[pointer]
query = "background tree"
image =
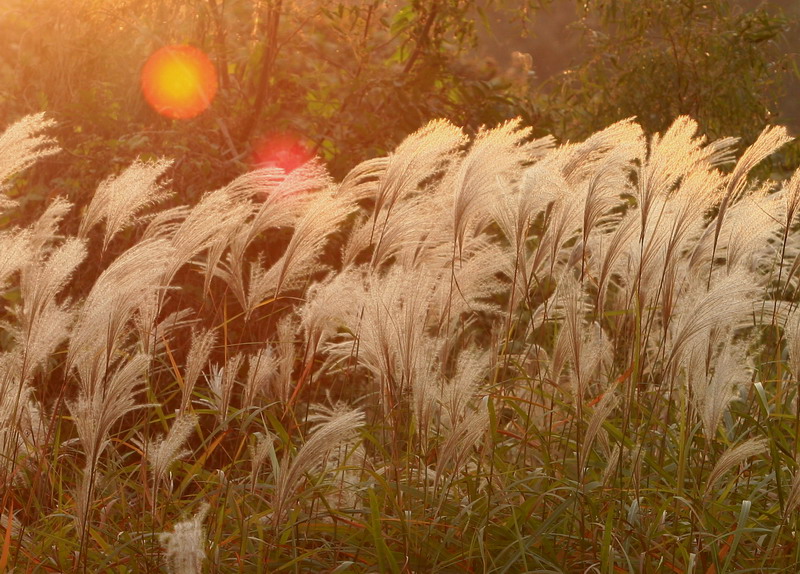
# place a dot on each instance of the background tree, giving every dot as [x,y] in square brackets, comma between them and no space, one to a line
[716,61]
[349,80]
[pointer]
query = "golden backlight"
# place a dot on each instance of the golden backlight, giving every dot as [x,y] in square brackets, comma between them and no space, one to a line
[283,149]
[179,82]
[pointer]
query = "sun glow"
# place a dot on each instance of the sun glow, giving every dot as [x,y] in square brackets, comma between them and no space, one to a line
[283,149]
[179,82]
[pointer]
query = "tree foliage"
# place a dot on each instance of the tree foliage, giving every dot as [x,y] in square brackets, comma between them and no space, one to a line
[656,59]
[359,75]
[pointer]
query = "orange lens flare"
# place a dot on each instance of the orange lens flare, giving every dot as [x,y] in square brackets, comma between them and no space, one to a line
[283,150]
[179,82]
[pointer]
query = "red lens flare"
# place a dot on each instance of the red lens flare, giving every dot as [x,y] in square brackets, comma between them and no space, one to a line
[179,82]
[283,150]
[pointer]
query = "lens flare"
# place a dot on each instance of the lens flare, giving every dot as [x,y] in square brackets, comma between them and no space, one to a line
[179,82]
[283,150]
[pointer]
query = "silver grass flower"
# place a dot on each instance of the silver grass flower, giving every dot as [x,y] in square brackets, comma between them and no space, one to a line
[284,191]
[214,221]
[106,314]
[14,396]
[735,456]
[363,180]
[262,368]
[341,466]
[32,428]
[791,261]
[682,215]
[119,198]
[793,498]
[185,545]
[166,450]
[611,465]
[97,409]
[218,246]
[474,284]
[41,336]
[153,329]
[199,351]
[165,224]
[792,339]
[748,228]
[257,182]
[514,216]
[420,155]
[713,392]
[45,230]
[389,321]
[791,195]
[493,156]
[41,281]
[43,322]
[728,300]
[100,406]
[459,441]
[411,224]
[21,144]
[456,396]
[563,224]
[585,347]
[329,305]
[15,251]
[260,452]
[299,259]
[323,440]
[285,347]
[221,383]
[671,157]
[281,203]
[620,142]
[610,251]
[768,141]
[426,387]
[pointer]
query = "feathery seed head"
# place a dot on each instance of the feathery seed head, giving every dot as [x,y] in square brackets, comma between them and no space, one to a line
[185,545]
[22,144]
[119,198]
[735,456]
[337,428]
[166,450]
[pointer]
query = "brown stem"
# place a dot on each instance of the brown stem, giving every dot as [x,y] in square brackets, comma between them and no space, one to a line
[267,63]
[219,41]
[422,39]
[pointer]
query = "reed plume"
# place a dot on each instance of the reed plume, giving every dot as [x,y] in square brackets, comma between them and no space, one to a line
[221,382]
[166,450]
[300,259]
[495,155]
[732,457]
[326,437]
[196,360]
[21,145]
[105,317]
[119,198]
[185,545]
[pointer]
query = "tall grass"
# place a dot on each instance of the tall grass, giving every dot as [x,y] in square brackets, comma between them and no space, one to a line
[497,355]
